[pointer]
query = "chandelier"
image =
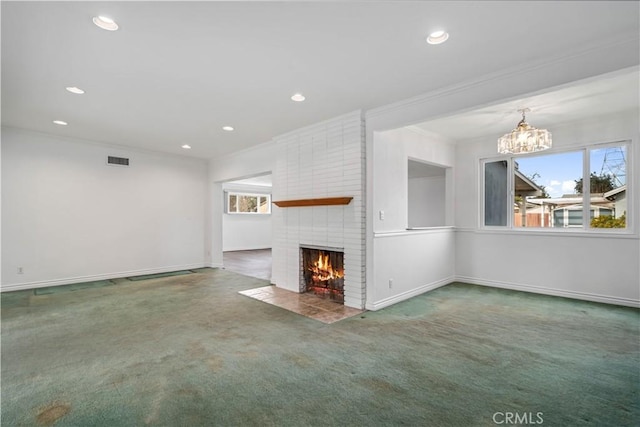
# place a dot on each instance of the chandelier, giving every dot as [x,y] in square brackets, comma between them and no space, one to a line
[524,138]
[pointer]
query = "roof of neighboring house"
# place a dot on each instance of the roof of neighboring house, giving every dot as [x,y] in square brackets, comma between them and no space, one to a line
[579,206]
[576,199]
[525,186]
[611,195]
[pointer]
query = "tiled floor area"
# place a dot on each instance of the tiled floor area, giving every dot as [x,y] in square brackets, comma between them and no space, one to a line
[307,304]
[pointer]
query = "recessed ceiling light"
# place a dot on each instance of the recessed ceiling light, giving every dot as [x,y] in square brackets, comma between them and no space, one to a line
[227,128]
[105,23]
[437,37]
[298,97]
[60,122]
[74,89]
[186,147]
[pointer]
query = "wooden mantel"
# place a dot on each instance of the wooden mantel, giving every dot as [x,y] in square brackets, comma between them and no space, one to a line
[327,201]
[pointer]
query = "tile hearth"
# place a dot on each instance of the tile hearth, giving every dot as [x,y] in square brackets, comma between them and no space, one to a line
[305,304]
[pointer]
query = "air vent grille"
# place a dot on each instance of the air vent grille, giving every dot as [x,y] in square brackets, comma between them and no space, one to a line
[119,161]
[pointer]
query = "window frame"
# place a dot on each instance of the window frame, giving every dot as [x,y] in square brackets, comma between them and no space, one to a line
[227,202]
[586,202]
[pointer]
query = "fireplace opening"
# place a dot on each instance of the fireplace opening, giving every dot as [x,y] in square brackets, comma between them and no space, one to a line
[322,272]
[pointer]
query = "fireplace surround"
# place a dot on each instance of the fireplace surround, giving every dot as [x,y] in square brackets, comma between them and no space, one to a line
[318,184]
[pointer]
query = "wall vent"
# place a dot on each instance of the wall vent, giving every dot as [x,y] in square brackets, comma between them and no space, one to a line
[118,161]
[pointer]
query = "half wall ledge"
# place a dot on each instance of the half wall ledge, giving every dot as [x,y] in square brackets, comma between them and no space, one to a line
[327,201]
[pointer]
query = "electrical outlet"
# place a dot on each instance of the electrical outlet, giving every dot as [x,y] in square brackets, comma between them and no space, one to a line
[381,215]
[390,283]
[20,270]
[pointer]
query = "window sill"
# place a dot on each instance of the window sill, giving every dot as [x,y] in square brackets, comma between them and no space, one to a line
[626,234]
[249,213]
[413,231]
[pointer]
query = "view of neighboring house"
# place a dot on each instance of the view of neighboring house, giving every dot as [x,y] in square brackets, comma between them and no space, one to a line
[619,198]
[533,207]
[566,211]
[525,214]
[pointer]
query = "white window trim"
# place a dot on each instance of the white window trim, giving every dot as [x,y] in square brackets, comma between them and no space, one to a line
[229,193]
[585,230]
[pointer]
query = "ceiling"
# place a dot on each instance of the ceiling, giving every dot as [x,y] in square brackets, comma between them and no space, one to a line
[176,72]
[260,181]
[417,169]
[619,91]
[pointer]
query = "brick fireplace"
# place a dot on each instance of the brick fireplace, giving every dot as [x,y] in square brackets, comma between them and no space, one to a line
[325,161]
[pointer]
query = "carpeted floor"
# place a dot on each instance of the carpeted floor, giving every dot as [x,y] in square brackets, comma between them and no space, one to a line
[189,350]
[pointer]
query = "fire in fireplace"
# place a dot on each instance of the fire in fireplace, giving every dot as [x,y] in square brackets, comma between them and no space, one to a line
[322,273]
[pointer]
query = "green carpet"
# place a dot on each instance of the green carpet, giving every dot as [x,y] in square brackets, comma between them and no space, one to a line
[73,287]
[191,351]
[99,283]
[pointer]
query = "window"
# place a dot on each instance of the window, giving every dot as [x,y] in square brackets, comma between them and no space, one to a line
[544,190]
[554,191]
[241,203]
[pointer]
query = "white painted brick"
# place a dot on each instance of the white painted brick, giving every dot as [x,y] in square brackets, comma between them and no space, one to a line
[352,167]
[353,188]
[353,289]
[352,249]
[321,161]
[353,298]
[334,181]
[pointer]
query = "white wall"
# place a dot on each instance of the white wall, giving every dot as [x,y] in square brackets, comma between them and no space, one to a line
[414,260]
[391,152]
[68,217]
[242,232]
[410,263]
[600,267]
[427,201]
[246,232]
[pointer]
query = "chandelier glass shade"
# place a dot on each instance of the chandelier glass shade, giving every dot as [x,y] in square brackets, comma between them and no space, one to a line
[524,139]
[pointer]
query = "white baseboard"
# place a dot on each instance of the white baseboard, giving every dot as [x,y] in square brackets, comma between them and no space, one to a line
[550,291]
[95,277]
[408,294]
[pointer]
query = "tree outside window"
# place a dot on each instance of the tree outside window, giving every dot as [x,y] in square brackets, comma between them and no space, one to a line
[240,203]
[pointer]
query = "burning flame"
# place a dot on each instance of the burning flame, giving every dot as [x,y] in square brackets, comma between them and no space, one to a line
[322,269]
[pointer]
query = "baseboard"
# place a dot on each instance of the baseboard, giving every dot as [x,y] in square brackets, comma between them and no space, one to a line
[408,294]
[95,277]
[627,302]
